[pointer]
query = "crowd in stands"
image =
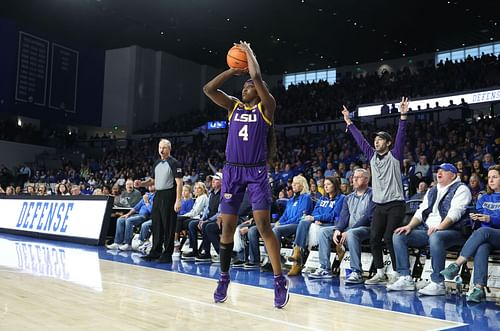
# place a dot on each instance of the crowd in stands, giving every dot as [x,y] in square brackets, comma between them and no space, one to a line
[317,101]
[321,101]
[471,147]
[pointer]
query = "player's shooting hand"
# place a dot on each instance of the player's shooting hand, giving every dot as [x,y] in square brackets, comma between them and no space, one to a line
[245,46]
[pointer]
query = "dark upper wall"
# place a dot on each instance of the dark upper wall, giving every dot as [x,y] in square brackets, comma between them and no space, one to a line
[90,80]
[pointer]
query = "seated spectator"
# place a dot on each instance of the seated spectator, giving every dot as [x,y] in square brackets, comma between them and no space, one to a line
[352,227]
[475,187]
[483,240]
[462,172]
[315,195]
[30,190]
[423,170]
[200,203]
[488,161]
[125,224]
[298,205]
[130,197]
[438,223]
[115,192]
[75,190]
[42,190]
[9,190]
[209,215]
[330,171]
[62,189]
[478,169]
[345,188]
[421,190]
[325,213]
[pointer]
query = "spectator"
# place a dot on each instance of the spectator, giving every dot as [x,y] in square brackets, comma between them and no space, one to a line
[437,222]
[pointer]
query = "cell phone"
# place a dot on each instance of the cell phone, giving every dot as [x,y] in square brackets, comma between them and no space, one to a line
[472,210]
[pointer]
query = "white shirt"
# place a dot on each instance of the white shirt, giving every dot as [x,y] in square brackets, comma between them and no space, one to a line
[459,204]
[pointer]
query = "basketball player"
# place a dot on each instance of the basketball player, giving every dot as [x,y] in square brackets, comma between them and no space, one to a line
[247,151]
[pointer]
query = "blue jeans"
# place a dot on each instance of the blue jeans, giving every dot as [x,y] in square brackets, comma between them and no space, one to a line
[125,228]
[354,239]
[479,245]
[301,233]
[325,246]
[438,243]
[145,230]
[211,235]
[193,237]
[253,239]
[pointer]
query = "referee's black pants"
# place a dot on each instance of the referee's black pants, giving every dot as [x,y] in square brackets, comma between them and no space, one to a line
[164,221]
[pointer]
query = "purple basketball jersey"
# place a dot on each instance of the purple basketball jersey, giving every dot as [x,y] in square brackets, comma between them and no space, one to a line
[247,136]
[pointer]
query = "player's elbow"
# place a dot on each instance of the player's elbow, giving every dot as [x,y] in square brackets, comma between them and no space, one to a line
[207,89]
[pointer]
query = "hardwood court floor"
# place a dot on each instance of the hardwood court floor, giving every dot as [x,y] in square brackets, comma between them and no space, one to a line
[129,297]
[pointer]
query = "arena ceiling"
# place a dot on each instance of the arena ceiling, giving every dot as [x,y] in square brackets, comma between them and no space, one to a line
[287,35]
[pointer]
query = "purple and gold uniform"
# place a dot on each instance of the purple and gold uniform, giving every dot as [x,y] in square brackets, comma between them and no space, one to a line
[246,156]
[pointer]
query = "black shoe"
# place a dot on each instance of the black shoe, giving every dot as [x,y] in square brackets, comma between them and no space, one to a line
[165,259]
[266,268]
[238,264]
[203,258]
[150,257]
[190,256]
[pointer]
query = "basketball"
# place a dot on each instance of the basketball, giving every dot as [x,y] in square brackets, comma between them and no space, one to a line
[236,58]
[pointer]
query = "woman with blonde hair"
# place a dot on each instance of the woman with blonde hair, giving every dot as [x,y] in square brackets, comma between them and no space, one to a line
[201,201]
[298,205]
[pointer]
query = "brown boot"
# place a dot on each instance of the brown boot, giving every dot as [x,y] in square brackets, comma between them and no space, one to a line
[296,255]
[296,270]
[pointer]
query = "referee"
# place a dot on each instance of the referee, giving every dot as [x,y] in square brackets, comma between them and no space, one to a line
[168,182]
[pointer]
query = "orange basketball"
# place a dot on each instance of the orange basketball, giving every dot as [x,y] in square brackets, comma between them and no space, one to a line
[236,58]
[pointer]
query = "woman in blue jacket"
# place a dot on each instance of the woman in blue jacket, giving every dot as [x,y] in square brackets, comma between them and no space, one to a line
[325,213]
[298,205]
[483,240]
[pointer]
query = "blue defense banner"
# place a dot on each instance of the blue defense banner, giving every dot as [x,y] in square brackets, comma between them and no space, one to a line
[82,219]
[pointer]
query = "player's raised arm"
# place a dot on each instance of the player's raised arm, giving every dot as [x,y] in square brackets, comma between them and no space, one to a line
[211,89]
[267,100]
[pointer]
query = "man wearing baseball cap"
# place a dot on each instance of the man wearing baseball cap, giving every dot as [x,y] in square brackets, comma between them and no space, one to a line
[438,223]
[387,187]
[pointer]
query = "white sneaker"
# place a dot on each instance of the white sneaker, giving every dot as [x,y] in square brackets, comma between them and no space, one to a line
[433,289]
[354,278]
[392,277]
[377,280]
[321,274]
[404,283]
[125,247]
[113,246]
[136,244]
